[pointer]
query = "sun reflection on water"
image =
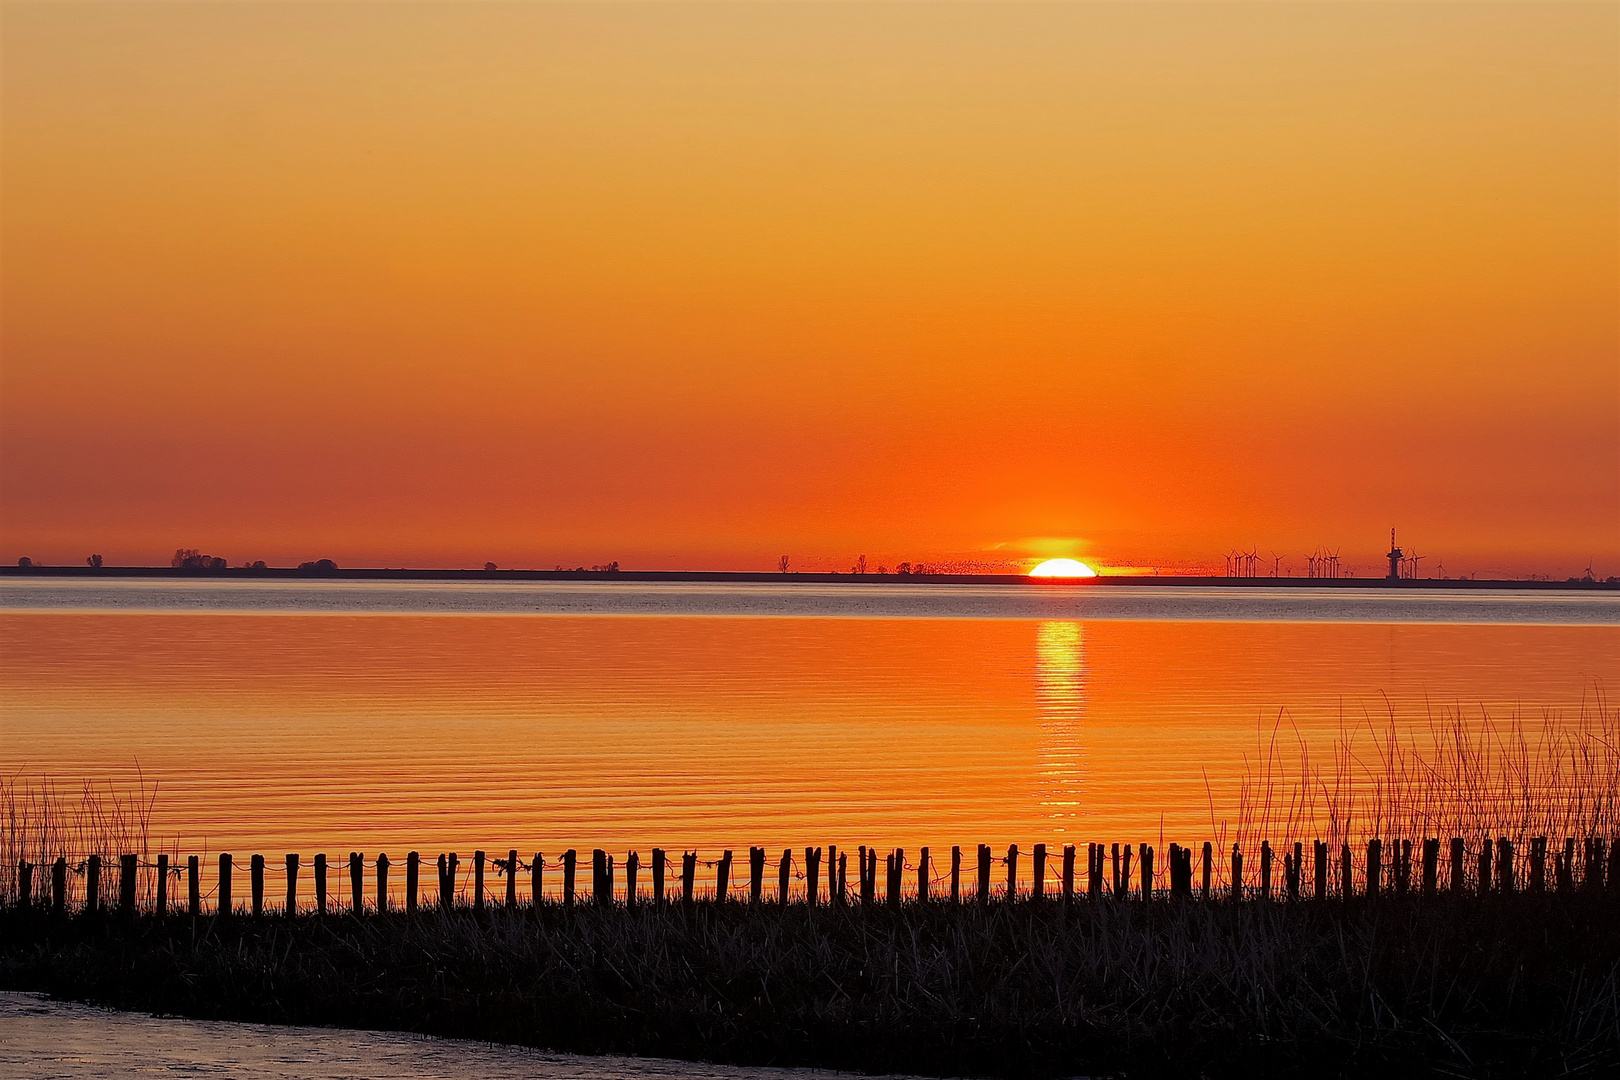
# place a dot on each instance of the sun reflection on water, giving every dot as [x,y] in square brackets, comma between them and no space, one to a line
[1060,698]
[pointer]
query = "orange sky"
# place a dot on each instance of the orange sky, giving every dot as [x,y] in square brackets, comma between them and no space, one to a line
[691,286]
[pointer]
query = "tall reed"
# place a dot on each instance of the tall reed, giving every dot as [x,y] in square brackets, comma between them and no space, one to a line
[40,823]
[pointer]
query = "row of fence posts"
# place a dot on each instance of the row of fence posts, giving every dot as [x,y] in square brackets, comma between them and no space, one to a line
[1108,874]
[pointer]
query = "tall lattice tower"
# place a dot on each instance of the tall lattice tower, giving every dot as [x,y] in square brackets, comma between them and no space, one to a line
[1395,555]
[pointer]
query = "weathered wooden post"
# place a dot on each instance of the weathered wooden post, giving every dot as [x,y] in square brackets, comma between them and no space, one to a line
[922,877]
[1237,873]
[1484,879]
[812,876]
[92,885]
[1403,867]
[1458,881]
[756,874]
[843,877]
[984,873]
[128,866]
[382,882]
[256,884]
[223,904]
[1037,890]
[570,858]
[1292,865]
[292,885]
[688,876]
[1375,866]
[1563,869]
[511,879]
[447,881]
[1145,851]
[1504,865]
[722,876]
[868,876]
[1538,864]
[357,882]
[162,898]
[892,887]
[1209,865]
[784,877]
[1347,872]
[835,886]
[478,881]
[1122,872]
[1614,865]
[1319,857]
[1596,863]
[1012,871]
[1175,870]
[632,863]
[1265,869]
[1431,866]
[320,884]
[25,885]
[413,876]
[1095,868]
[59,885]
[537,890]
[601,895]
[1068,873]
[956,873]
[193,885]
[658,876]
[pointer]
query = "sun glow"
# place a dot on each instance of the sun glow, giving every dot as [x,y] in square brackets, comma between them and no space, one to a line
[1063,568]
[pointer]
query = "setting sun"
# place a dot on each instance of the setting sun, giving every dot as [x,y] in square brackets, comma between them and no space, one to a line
[1063,568]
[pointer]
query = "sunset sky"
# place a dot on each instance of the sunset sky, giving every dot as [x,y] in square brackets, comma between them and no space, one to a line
[691,286]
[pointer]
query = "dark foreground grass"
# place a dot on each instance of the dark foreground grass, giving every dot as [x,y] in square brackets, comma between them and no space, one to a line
[1495,986]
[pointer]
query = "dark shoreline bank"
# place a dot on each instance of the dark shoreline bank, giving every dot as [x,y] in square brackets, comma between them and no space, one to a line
[1492,986]
[630,577]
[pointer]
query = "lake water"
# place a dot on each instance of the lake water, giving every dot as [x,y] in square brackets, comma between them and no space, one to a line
[295,716]
[57,1040]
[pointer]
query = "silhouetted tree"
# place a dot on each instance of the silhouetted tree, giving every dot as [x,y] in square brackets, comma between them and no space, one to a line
[319,566]
[905,568]
[490,566]
[183,558]
[860,565]
[94,562]
[256,564]
[782,564]
[25,562]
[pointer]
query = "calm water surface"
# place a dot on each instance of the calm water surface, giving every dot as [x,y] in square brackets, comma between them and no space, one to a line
[385,716]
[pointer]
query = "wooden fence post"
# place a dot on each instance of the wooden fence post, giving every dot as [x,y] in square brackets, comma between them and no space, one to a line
[320,884]
[600,896]
[357,882]
[223,903]
[1145,858]
[1347,872]
[722,876]
[1265,869]
[956,873]
[292,885]
[922,877]
[1237,873]
[1504,865]
[892,887]
[1458,881]
[1614,866]
[59,885]
[92,884]
[1403,867]
[1375,866]
[632,863]
[658,876]
[1012,871]
[812,876]
[478,880]
[413,873]
[256,883]
[835,887]
[756,874]
[570,858]
[1431,866]
[511,879]
[537,882]
[1122,871]
[1037,890]
[1095,868]
[1209,864]
[784,877]
[984,873]
[193,885]
[128,866]
[25,885]
[1291,870]
[1538,864]
[382,882]
[688,876]
[843,878]
[1484,878]
[162,898]
[1319,861]
[1068,873]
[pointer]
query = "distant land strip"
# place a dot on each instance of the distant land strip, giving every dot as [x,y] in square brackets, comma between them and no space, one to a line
[278,573]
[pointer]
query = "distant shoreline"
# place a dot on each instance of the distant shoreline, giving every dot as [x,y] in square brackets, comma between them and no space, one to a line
[630,577]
